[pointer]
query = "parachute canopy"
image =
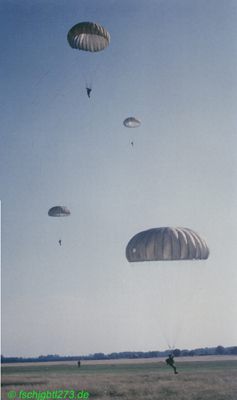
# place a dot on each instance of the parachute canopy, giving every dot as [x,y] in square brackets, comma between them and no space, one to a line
[166,244]
[132,122]
[59,211]
[88,36]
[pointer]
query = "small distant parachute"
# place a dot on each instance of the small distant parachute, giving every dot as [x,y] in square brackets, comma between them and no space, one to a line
[59,211]
[88,36]
[132,122]
[166,244]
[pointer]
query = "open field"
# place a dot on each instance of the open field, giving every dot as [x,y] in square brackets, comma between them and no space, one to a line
[199,378]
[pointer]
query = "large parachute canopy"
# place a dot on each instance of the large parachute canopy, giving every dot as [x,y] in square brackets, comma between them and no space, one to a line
[132,122]
[88,36]
[59,211]
[166,244]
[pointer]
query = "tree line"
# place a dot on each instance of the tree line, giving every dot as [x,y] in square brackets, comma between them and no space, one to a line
[207,351]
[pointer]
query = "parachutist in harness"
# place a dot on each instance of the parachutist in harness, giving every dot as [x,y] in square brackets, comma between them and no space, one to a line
[132,143]
[60,242]
[88,90]
[88,36]
[170,362]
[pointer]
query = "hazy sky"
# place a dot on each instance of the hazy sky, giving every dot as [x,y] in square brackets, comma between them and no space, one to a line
[171,63]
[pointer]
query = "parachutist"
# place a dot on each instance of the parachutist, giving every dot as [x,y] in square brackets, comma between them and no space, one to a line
[132,143]
[59,212]
[170,362]
[88,36]
[88,90]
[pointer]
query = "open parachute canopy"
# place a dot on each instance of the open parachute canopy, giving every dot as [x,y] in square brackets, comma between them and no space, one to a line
[166,244]
[59,211]
[88,36]
[132,122]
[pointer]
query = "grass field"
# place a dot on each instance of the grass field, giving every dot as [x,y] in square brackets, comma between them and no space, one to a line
[199,378]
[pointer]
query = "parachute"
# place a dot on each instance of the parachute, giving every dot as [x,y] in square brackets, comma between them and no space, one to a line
[59,211]
[166,244]
[88,36]
[177,289]
[132,122]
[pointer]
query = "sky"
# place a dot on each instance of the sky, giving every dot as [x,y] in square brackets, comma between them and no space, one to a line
[172,64]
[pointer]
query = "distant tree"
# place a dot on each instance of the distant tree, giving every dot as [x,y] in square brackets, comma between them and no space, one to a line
[134,355]
[177,352]
[153,354]
[184,353]
[99,356]
[202,351]
[220,350]
[112,356]
[233,350]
